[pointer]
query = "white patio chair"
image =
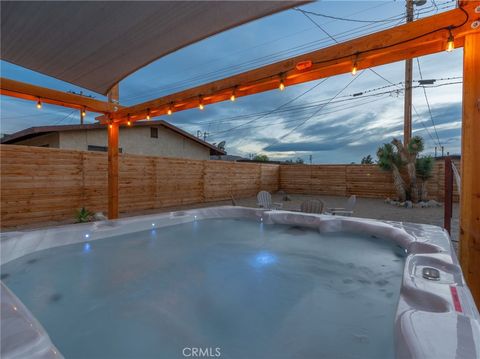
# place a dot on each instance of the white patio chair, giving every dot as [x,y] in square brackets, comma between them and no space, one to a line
[312,206]
[347,211]
[264,200]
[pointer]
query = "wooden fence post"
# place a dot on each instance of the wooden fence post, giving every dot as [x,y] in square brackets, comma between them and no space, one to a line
[448,195]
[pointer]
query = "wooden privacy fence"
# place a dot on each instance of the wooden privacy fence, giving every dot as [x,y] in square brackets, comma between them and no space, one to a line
[48,185]
[42,185]
[360,180]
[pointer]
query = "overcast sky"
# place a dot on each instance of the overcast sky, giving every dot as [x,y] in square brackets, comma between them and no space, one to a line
[319,118]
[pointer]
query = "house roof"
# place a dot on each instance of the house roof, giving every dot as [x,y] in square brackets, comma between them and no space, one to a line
[95,44]
[42,130]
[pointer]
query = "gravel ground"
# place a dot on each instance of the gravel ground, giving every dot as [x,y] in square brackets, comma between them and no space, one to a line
[365,208]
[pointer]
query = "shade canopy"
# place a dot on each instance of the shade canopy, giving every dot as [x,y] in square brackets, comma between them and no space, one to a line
[96,44]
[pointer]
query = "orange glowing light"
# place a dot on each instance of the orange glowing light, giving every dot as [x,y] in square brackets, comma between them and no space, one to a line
[303,65]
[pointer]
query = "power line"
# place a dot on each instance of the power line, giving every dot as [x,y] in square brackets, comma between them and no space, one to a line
[435,6]
[340,99]
[317,111]
[276,109]
[428,103]
[258,61]
[305,12]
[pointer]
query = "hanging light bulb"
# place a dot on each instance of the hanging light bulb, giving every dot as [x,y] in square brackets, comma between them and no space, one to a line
[281,86]
[232,97]
[148,114]
[39,104]
[83,113]
[129,123]
[200,103]
[355,68]
[110,126]
[450,41]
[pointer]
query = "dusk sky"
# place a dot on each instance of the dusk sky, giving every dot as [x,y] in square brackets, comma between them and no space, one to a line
[319,118]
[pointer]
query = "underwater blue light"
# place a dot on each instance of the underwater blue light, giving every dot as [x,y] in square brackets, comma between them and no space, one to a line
[87,235]
[86,247]
[263,259]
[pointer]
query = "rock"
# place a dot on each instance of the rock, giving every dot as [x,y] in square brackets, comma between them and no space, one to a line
[408,204]
[433,203]
[99,216]
[388,200]
[418,205]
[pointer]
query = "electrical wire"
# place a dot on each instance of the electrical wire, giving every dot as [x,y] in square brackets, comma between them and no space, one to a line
[428,104]
[277,108]
[321,108]
[264,59]
[301,108]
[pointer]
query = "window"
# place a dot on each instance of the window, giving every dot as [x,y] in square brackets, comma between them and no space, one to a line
[100,148]
[153,132]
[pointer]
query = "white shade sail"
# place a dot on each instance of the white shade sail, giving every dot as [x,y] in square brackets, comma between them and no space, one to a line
[96,44]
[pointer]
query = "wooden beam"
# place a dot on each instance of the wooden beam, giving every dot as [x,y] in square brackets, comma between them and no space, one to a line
[470,167]
[30,92]
[418,38]
[113,130]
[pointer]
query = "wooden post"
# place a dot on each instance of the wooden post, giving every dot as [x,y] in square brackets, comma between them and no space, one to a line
[113,160]
[448,195]
[470,167]
[113,171]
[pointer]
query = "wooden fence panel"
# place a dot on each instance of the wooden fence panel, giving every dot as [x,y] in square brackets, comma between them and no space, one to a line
[360,180]
[46,185]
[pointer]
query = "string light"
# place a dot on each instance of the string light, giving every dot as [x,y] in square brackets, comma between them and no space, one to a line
[148,114]
[83,113]
[200,103]
[39,104]
[354,69]
[169,111]
[355,66]
[450,41]
[232,98]
[281,87]
[110,126]
[129,123]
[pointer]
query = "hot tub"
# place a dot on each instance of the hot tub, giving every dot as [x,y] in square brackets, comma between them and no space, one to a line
[235,282]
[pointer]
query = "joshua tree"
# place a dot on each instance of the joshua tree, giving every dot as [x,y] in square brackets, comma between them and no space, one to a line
[409,155]
[390,160]
[424,168]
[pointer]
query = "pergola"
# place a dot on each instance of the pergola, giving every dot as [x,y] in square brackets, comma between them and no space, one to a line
[86,44]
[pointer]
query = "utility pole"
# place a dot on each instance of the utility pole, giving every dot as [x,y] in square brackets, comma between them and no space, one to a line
[407,107]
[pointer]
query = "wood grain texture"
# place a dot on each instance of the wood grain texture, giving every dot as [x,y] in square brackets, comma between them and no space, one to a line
[48,185]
